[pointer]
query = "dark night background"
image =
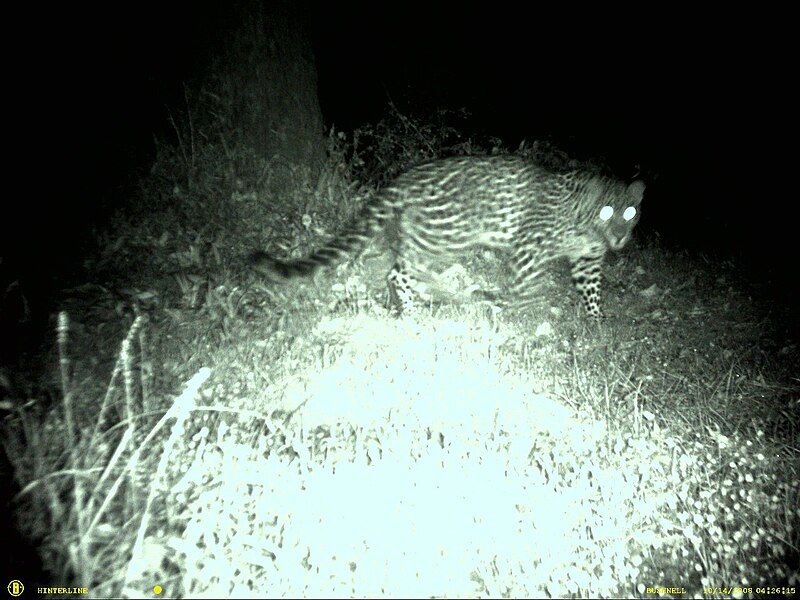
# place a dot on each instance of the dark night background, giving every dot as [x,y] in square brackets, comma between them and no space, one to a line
[701,103]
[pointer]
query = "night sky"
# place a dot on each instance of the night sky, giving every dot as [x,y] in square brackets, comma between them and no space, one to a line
[701,103]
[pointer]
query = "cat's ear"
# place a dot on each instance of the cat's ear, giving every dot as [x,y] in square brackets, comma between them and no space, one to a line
[636,191]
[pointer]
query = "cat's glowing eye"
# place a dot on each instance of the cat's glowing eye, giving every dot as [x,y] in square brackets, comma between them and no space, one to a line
[629,213]
[605,213]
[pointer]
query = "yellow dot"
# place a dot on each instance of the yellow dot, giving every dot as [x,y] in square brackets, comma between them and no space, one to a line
[157,589]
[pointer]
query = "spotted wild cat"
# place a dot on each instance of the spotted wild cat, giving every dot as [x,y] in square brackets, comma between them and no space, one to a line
[440,209]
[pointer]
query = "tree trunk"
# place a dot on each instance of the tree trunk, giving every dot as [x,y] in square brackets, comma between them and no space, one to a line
[269,75]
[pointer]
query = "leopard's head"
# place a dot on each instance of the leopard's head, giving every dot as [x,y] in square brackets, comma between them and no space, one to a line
[618,212]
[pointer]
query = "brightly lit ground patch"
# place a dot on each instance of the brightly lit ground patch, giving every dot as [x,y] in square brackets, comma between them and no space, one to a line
[417,458]
[338,452]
